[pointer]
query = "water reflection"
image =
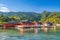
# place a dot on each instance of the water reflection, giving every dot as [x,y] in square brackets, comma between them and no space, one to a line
[34,34]
[36,30]
[33,30]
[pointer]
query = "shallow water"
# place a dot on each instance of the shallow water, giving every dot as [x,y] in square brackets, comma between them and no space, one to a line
[15,35]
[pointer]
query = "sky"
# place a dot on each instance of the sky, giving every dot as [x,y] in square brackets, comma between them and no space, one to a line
[30,5]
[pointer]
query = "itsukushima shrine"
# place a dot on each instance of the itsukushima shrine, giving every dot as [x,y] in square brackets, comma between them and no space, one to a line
[21,25]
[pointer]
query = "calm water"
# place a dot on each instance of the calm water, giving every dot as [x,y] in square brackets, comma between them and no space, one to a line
[15,35]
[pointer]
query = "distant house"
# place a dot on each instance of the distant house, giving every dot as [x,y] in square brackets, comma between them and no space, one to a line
[49,24]
[10,24]
[37,24]
[25,24]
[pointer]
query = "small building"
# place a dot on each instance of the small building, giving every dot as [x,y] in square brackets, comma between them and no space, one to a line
[49,24]
[10,25]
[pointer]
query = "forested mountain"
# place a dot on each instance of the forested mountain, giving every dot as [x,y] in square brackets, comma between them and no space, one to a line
[51,17]
[31,16]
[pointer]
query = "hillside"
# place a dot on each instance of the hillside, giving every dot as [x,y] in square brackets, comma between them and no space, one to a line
[51,17]
[31,16]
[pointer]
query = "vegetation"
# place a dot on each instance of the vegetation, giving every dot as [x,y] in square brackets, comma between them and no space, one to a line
[8,16]
[51,17]
[31,16]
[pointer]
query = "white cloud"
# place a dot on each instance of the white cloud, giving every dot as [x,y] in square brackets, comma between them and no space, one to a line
[3,8]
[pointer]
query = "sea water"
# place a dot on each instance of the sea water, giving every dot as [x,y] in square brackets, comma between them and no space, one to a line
[15,35]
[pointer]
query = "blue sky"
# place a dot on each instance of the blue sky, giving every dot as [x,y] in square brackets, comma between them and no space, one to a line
[30,5]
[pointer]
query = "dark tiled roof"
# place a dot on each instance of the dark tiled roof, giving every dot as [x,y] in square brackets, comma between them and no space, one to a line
[40,23]
[50,23]
[27,22]
[13,22]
